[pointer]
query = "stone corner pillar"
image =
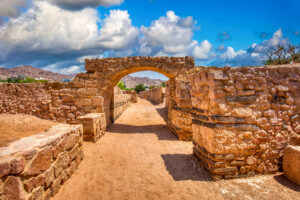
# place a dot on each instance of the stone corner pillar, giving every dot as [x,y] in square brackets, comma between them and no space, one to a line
[94,126]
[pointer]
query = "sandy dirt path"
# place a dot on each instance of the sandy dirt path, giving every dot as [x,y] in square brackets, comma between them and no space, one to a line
[139,158]
[16,126]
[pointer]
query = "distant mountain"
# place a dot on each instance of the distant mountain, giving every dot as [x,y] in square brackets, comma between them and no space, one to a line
[34,73]
[131,81]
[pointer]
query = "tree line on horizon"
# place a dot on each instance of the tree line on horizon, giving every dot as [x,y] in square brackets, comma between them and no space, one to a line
[23,80]
[283,54]
[139,87]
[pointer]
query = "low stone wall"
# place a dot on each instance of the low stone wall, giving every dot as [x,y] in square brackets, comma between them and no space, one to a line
[155,95]
[34,167]
[244,117]
[120,102]
[133,94]
[62,102]
[94,126]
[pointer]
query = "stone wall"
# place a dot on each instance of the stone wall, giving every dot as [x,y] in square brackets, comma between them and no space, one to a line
[94,126]
[133,94]
[104,74]
[244,117]
[62,102]
[120,102]
[34,167]
[178,102]
[155,95]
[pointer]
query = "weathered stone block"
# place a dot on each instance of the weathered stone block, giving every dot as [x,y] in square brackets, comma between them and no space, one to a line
[40,163]
[291,163]
[241,99]
[91,91]
[70,141]
[94,125]
[4,167]
[73,153]
[17,166]
[62,163]
[29,184]
[13,189]
[49,177]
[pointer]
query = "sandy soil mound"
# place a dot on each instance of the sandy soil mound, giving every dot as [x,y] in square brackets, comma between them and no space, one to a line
[14,127]
[139,158]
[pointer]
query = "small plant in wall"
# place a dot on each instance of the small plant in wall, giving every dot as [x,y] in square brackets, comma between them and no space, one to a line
[121,85]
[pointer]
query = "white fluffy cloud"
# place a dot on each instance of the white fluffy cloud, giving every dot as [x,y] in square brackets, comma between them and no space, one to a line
[80,4]
[64,34]
[203,51]
[254,55]
[117,32]
[172,35]
[48,28]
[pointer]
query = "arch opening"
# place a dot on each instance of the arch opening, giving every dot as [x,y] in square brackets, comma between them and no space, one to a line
[120,97]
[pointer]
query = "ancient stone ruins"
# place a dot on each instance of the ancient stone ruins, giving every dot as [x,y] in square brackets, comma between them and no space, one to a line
[239,119]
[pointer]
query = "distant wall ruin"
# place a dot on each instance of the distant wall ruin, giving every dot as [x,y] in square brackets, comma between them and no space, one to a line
[155,95]
[120,102]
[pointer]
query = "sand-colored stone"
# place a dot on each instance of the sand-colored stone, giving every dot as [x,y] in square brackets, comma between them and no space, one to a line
[291,163]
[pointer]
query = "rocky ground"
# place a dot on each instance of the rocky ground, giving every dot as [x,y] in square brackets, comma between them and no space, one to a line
[139,158]
[14,127]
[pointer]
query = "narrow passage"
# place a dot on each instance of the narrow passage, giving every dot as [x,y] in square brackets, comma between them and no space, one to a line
[139,158]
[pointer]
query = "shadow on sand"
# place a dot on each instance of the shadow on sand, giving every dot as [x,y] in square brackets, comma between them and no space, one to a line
[287,183]
[183,167]
[163,112]
[160,130]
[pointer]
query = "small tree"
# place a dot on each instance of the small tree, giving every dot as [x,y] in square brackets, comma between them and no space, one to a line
[121,85]
[294,55]
[139,88]
[282,54]
[163,84]
[153,86]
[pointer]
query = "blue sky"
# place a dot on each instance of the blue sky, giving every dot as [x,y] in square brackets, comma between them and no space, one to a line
[58,35]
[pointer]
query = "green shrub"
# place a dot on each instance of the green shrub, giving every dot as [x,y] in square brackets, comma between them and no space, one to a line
[139,88]
[153,86]
[121,85]
[26,80]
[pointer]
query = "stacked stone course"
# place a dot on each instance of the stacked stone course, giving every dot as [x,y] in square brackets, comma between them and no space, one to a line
[121,101]
[62,102]
[155,95]
[94,126]
[178,102]
[34,167]
[244,117]
[133,94]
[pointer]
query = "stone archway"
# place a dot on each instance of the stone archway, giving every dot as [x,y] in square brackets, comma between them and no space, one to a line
[104,74]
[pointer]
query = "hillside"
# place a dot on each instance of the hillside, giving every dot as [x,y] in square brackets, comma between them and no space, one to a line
[34,73]
[131,81]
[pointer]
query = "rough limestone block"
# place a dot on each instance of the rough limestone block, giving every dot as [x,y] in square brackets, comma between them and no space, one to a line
[291,163]
[94,125]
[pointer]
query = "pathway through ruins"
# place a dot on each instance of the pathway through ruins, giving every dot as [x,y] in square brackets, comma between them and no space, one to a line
[139,158]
